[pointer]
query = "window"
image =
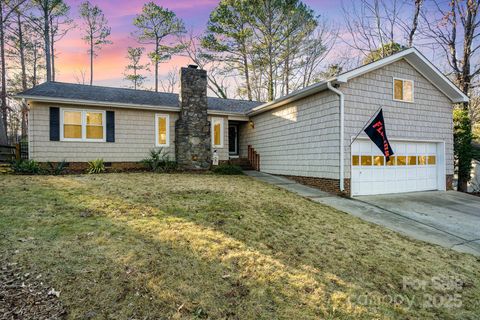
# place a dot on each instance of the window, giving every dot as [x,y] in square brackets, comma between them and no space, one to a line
[391,161]
[217,132]
[422,160]
[402,90]
[412,160]
[378,160]
[355,160]
[366,160]
[72,124]
[94,125]
[401,160]
[82,125]
[162,130]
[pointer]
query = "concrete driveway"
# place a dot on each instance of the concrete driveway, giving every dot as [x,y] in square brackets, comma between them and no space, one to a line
[450,219]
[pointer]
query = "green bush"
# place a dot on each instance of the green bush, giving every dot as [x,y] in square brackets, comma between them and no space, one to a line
[227,169]
[25,167]
[56,168]
[96,166]
[159,161]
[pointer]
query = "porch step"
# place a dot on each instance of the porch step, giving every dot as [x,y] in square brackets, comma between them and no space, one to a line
[242,163]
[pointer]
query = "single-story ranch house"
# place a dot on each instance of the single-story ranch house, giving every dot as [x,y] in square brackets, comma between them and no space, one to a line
[308,135]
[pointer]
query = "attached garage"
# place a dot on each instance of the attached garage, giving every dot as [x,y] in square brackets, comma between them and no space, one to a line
[415,166]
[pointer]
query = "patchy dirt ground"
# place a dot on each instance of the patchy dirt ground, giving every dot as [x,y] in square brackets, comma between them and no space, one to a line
[25,296]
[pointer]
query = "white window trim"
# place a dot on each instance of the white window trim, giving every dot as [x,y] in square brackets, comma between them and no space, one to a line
[213,121]
[84,125]
[393,90]
[167,118]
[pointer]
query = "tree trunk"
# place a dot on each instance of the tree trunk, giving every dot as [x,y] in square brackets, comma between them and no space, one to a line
[52,48]
[46,36]
[418,5]
[35,59]
[156,64]
[91,60]
[247,74]
[24,110]
[3,93]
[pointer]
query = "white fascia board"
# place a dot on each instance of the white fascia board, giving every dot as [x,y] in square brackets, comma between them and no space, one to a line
[321,86]
[230,115]
[461,98]
[343,78]
[97,103]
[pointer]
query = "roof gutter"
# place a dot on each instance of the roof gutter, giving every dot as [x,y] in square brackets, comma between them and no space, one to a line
[342,140]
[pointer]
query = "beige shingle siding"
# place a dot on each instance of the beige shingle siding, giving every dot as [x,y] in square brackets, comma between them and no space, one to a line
[134,137]
[429,117]
[299,138]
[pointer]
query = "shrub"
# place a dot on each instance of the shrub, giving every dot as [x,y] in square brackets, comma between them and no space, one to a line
[96,166]
[159,161]
[227,169]
[56,168]
[25,167]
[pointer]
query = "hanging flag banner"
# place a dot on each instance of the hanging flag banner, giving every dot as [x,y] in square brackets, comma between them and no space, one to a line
[377,133]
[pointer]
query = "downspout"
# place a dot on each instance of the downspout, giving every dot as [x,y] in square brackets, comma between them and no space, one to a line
[342,140]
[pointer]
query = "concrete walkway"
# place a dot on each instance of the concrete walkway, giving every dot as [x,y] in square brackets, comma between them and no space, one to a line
[414,215]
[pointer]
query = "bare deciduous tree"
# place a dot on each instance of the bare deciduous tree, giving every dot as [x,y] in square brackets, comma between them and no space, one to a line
[206,60]
[6,9]
[170,83]
[379,25]
[454,28]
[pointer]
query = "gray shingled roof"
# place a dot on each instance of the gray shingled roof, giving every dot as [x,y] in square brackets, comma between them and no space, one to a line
[68,91]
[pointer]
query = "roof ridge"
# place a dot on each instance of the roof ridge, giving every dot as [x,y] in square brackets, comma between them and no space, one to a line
[108,87]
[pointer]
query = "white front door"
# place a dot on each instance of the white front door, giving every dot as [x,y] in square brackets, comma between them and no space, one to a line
[414,167]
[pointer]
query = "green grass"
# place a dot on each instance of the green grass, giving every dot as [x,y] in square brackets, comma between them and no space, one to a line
[189,246]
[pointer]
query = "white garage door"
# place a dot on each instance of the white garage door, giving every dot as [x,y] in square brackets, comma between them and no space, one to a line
[413,168]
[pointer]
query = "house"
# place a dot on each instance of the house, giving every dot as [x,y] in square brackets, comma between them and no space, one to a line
[309,135]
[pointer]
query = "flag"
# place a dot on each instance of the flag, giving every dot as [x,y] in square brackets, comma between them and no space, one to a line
[377,133]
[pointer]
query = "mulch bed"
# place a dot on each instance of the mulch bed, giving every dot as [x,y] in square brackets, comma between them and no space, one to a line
[26,296]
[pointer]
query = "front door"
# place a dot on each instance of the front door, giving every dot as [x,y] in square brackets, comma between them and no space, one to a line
[233,139]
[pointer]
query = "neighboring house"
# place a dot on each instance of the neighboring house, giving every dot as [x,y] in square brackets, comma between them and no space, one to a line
[307,135]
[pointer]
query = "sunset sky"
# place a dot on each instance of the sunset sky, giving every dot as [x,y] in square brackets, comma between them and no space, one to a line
[109,66]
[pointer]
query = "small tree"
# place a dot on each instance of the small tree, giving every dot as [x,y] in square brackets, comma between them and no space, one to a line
[462,137]
[96,30]
[134,67]
[155,24]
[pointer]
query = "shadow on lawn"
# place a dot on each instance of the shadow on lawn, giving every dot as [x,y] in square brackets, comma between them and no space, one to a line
[203,256]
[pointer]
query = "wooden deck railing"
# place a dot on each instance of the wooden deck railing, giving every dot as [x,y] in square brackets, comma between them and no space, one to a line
[253,158]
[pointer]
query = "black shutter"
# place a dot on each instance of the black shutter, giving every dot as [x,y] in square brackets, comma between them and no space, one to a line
[110,126]
[54,124]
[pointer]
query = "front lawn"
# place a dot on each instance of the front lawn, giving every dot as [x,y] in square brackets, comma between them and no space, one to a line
[185,246]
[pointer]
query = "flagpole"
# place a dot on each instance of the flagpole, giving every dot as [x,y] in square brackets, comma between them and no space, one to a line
[366,123]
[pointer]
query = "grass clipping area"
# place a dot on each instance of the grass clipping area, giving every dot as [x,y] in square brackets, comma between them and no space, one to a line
[184,246]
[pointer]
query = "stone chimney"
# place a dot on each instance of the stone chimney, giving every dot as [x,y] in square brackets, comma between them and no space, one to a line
[192,129]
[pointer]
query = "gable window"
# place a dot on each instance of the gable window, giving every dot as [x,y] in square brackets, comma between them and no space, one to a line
[162,130]
[82,125]
[217,132]
[402,90]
